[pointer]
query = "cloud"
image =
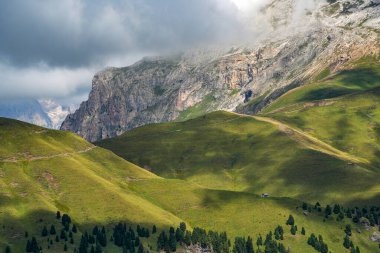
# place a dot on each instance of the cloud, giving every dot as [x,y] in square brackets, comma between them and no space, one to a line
[52,48]
[42,81]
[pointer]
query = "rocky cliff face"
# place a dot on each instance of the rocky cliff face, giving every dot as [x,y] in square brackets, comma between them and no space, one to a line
[298,45]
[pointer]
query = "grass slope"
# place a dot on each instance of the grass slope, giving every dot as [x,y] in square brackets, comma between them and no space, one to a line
[96,187]
[350,121]
[225,151]
[53,170]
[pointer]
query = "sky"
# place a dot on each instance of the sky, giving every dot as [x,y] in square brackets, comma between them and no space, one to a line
[52,48]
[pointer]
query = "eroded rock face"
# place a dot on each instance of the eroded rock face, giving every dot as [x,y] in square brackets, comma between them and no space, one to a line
[168,88]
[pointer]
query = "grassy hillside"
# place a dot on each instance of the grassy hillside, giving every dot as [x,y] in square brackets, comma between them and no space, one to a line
[226,151]
[96,187]
[42,171]
[349,121]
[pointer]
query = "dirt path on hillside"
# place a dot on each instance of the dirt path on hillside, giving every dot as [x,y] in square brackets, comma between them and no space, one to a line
[34,158]
[310,141]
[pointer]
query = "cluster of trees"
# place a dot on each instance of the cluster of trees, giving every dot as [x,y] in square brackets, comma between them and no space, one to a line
[219,242]
[97,239]
[270,245]
[127,238]
[356,214]
[317,243]
[347,243]
[293,226]
[32,246]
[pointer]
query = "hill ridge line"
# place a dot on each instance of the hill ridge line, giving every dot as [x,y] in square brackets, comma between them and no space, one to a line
[310,141]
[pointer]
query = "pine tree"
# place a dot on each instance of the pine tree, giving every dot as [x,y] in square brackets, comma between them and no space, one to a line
[172,242]
[293,230]
[44,232]
[347,230]
[290,220]
[52,230]
[154,229]
[249,245]
[187,238]
[327,211]
[140,249]
[259,241]
[346,242]
[98,249]
[182,226]
[74,229]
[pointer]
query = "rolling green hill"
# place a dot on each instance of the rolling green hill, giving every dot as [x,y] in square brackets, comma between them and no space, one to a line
[42,171]
[349,121]
[54,170]
[227,151]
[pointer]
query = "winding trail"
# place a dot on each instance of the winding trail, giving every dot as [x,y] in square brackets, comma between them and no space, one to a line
[310,141]
[34,158]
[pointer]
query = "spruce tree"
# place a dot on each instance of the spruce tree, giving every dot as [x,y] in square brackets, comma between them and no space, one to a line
[74,229]
[293,230]
[259,241]
[98,249]
[172,242]
[346,242]
[347,230]
[7,249]
[58,215]
[290,220]
[52,230]
[44,232]
[140,249]
[249,245]
[303,232]
[65,247]
[182,226]
[154,229]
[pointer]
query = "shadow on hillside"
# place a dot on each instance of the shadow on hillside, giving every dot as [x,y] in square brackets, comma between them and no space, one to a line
[350,81]
[13,229]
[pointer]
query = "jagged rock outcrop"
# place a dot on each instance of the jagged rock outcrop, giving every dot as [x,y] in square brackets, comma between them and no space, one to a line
[203,80]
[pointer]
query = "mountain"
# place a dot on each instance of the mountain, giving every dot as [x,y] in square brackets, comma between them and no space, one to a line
[56,112]
[297,46]
[42,171]
[28,110]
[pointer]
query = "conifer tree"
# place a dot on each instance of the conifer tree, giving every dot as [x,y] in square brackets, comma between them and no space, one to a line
[293,230]
[44,232]
[259,241]
[7,249]
[303,232]
[140,249]
[347,230]
[346,242]
[65,247]
[249,245]
[52,230]
[154,229]
[182,226]
[290,220]
[58,215]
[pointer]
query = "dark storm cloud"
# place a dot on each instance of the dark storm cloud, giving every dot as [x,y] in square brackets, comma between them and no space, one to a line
[75,33]
[52,48]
